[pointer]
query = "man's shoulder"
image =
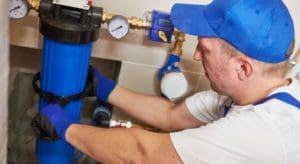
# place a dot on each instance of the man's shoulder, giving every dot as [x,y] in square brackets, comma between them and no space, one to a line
[208,94]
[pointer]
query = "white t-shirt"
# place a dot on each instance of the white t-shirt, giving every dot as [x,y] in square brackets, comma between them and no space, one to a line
[267,133]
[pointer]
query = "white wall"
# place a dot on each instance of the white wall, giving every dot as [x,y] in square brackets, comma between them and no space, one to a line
[4,64]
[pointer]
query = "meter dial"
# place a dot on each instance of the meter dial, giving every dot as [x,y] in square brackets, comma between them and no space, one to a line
[18,8]
[118,26]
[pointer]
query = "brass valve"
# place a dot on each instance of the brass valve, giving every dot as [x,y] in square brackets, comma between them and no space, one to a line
[34,4]
[179,39]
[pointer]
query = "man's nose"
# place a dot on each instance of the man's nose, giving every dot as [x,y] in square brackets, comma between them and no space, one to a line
[197,56]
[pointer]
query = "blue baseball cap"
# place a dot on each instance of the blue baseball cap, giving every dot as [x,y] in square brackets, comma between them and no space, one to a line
[261,29]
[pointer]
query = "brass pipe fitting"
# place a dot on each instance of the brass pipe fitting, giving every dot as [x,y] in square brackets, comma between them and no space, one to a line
[179,39]
[34,4]
[106,17]
[134,22]
[139,23]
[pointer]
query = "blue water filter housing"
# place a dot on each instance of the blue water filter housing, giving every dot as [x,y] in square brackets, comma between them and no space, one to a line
[68,36]
[64,72]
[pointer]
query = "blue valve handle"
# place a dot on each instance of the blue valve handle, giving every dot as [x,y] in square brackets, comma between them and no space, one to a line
[169,66]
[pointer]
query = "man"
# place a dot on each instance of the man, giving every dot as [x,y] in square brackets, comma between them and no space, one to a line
[252,115]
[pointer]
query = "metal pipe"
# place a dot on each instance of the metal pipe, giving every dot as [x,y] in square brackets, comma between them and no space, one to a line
[4,76]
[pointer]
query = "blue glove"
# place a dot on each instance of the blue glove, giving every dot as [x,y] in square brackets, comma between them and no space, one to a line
[104,86]
[51,123]
[169,66]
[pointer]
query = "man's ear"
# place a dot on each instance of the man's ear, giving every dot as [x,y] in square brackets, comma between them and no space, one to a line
[244,67]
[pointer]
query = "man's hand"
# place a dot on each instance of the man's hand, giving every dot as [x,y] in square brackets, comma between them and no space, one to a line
[103,86]
[51,123]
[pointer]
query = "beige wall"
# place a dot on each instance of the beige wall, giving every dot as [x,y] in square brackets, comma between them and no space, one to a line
[4,63]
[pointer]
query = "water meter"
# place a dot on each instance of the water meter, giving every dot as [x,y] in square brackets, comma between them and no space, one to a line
[162,28]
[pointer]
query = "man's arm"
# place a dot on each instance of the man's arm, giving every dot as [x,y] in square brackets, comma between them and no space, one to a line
[113,145]
[153,110]
[122,145]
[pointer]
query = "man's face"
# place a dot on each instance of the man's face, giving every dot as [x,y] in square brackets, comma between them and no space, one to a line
[216,64]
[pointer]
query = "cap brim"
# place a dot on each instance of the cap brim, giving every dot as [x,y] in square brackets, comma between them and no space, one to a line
[190,19]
